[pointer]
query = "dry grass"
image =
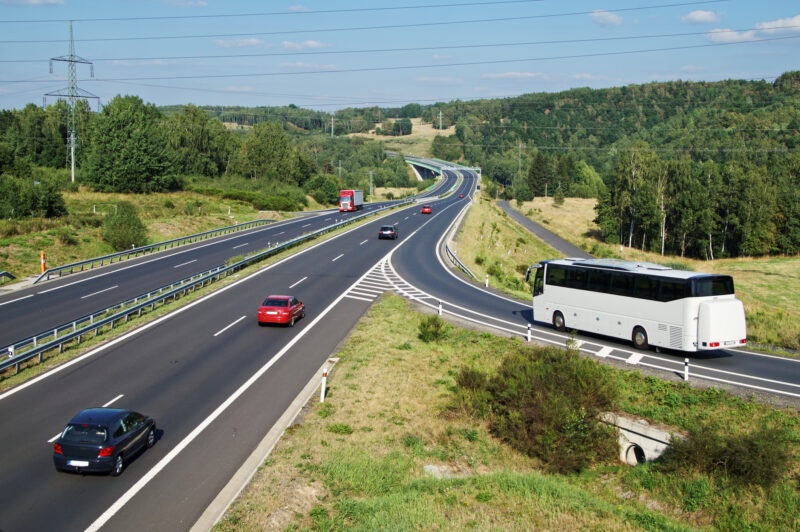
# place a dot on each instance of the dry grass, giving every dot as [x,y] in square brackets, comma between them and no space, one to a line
[418,143]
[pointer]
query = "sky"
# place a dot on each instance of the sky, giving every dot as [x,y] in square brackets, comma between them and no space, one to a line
[332,54]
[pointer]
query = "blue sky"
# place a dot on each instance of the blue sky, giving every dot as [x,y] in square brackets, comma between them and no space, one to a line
[326,54]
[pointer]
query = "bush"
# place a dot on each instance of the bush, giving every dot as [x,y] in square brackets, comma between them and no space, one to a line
[124,229]
[759,458]
[545,402]
[432,329]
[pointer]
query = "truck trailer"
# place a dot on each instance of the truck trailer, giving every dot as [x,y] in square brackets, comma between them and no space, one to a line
[351,200]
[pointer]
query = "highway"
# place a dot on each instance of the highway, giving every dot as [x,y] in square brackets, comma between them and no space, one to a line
[217,383]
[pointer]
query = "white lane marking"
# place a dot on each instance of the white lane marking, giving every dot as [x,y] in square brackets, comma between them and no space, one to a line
[298,282]
[241,245]
[15,300]
[364,242]
[100,291]
[228,326]
[117,398]
[337,258]
[302,226]
[635,358]
[185,263]
[170,456]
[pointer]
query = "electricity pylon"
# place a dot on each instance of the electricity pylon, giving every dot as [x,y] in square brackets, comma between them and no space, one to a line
[72,92]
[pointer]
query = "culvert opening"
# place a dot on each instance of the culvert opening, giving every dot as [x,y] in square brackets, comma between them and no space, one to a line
[635,455]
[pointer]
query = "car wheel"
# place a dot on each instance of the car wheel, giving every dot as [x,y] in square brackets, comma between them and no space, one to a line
[558,321]
[291,322]
[119,465]
[151,437]
[303,313]
[639,338]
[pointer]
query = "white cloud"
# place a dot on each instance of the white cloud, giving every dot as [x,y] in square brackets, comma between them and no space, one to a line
[780,25]
[305,45]
[730,36]
[606,18]
[238,43]
[700,17]
[441,57]
[784,25]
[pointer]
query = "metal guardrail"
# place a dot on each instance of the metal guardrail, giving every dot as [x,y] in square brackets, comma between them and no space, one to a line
[144,250]
[5,275]
[37,346]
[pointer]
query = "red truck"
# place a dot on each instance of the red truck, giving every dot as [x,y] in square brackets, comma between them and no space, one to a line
[351,200]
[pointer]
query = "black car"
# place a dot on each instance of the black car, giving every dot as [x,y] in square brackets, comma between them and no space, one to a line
[102,440]
[388,231]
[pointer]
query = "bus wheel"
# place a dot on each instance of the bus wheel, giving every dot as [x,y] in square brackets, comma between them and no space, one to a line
[558,321]
[639,338]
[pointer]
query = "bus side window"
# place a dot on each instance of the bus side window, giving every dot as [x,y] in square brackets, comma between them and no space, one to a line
[538,282]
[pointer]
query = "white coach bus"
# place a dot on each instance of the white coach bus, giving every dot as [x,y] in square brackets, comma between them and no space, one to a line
[648,304]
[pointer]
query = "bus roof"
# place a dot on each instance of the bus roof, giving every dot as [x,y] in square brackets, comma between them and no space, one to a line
[631,266]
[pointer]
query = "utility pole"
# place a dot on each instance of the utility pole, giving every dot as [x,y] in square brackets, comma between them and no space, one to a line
[332,119]
[72,92]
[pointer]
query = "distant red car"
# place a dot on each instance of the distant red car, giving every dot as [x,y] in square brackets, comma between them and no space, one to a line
[426,209]
[461,195]
[281,309]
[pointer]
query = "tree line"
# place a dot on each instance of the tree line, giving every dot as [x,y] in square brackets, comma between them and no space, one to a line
[697,169]
[135,147]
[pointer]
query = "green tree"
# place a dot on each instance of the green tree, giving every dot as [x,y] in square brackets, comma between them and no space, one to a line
[199,145]
[128,152]
[124,229]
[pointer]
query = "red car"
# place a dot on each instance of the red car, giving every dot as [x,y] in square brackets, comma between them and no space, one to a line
[281,309]
[426,209]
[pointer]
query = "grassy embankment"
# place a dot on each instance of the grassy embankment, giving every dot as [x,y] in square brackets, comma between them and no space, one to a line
[387,450]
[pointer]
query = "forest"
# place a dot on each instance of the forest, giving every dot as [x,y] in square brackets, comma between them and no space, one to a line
[697,169]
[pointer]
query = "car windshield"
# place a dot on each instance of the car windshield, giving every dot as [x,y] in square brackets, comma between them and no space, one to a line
[272,302]
[84,434]
[387,228]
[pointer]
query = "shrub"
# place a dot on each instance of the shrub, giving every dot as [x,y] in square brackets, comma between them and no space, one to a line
[124,229]
[759,458]
[545,402]
[432,329]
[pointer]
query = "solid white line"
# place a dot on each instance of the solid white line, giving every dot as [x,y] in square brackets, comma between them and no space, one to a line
[185,263]
[298,282]
[337,258]
[229,326]
[15,300]
[142,482]
[241,245]
[100,291]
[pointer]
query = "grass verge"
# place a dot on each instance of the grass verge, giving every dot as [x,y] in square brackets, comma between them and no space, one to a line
[387,450]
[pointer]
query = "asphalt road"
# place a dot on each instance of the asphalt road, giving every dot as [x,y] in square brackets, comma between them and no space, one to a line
[217,383]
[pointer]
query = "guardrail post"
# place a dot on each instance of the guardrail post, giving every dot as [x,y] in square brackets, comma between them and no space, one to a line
[686,369]
[11,351]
